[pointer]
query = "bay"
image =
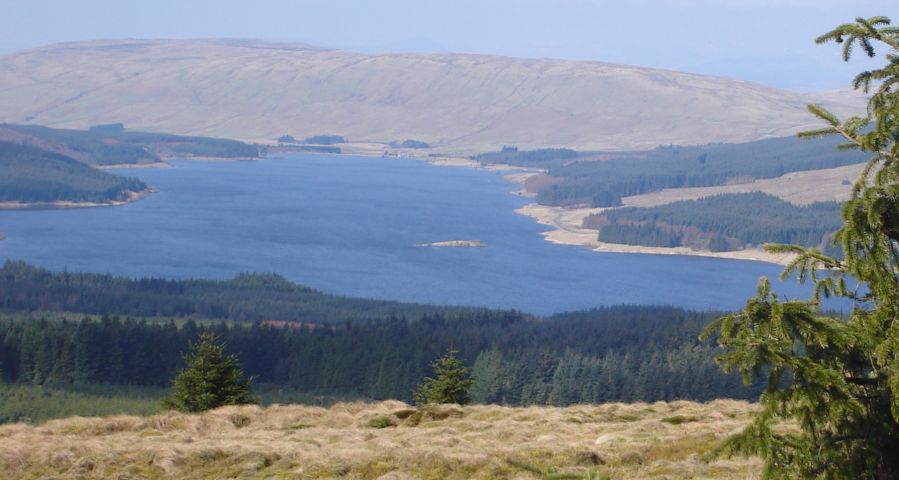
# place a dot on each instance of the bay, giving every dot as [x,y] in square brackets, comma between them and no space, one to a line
[350,225]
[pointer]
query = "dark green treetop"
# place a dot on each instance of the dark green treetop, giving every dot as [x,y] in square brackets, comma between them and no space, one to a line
[835,380]
[451,384]
[210,380]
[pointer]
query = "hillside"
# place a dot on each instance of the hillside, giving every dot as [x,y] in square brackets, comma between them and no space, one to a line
[581,182]
[70,328]
[387,441]
[29,175]
[259,91]
[111,144]
[660,189]
[720,223]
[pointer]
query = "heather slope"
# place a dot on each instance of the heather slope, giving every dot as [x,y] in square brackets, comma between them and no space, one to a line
[456,102]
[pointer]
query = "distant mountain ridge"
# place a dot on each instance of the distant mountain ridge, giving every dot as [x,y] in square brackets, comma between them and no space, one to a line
[254,90]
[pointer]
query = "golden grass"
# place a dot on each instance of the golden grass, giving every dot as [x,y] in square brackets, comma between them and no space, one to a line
[387,441]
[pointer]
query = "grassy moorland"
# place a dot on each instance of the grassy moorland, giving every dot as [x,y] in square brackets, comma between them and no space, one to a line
[230,88]
[387,440]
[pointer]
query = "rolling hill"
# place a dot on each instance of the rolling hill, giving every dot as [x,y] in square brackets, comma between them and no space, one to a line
[458,103]
[31,176]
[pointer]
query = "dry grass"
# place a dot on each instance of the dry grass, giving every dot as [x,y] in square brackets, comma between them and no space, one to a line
[798,188]
[460,103]
[387,440]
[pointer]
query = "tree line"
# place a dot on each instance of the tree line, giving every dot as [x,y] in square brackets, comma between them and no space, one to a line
[30,174]
[604,183]
[721,223]
[249,297]
[110,146]
[609,354]
[528,158]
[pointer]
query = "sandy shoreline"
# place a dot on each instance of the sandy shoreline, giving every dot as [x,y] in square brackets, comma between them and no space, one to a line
[567,230]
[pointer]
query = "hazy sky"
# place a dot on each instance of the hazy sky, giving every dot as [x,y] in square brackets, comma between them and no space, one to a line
[769,41]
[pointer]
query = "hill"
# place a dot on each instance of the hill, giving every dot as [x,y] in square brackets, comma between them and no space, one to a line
[30,175]
[601,180]
[51,167]
[720,223]
[260,91]
[110,145]
[387,441]
[246,298]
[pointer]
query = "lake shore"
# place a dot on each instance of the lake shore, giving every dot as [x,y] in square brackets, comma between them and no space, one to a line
[567,224]
[133,196]
[132,166]
[65,204]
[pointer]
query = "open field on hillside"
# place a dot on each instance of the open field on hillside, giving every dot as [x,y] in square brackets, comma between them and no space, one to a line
[799,188]
[387,440]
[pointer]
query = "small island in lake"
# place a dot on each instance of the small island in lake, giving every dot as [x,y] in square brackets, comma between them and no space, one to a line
[454,243]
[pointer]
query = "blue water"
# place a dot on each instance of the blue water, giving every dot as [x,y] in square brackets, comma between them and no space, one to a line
[349,225]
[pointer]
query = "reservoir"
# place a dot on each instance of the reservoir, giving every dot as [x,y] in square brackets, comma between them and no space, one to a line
[352,226]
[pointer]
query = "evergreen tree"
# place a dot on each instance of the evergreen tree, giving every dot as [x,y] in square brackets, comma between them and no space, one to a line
[837,379]
[211,379]
[451,385]
[490,375]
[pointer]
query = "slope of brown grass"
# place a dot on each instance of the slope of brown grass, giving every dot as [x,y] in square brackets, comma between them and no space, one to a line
[387,440]
[798,188]
[459,103]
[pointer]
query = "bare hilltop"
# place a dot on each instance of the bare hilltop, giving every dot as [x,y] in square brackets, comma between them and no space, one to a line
[461,103]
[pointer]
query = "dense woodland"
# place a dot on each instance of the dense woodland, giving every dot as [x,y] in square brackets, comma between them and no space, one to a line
[543,158]
[41,164]
[721,223]
[133,332]
[29,174]
[245,298]
[603,183]
[410,143]
[109,145]
[324,139]
[315,148]
[623,353]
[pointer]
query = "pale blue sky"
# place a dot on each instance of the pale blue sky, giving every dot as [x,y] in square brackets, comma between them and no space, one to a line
[769,41]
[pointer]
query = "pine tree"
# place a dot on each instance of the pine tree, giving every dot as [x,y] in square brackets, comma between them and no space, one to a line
[837,379]
[211,379]
[451,385]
